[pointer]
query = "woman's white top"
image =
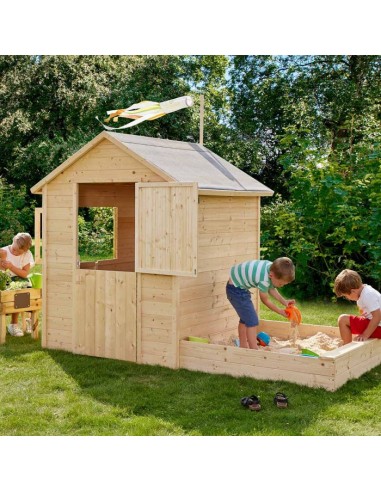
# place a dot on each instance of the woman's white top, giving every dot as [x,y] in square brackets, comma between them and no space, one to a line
[18,261]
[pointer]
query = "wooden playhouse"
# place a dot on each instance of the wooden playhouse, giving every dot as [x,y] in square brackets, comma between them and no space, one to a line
[183,216]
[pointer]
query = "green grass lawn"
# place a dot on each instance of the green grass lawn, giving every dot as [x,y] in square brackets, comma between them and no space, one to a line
[317,312]
[48,392]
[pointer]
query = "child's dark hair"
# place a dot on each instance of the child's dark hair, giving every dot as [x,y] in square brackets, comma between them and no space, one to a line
[346,281]
[283,268]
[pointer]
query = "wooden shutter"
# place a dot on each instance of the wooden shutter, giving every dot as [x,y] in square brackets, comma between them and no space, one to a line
[166,228]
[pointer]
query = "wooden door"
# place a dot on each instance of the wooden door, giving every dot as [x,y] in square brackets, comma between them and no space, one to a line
[105,314]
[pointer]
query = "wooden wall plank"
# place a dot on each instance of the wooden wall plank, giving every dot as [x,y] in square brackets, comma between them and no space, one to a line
[273,374]
[231,226]
[258,358]
[256,364]
[228,234]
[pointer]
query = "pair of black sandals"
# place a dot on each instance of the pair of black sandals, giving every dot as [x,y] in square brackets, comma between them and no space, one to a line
[254,403]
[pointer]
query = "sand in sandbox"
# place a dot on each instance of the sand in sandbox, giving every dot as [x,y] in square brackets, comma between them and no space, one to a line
[318,343]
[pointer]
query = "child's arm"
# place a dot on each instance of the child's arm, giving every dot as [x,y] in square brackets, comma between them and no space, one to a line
[264,296]
[276,295]
[373,323]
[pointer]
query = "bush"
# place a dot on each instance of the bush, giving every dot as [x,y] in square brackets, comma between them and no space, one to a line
[330,223]
[16,211]
[96,232]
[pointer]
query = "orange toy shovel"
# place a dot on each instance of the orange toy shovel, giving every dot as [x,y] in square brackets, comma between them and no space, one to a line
[293,314]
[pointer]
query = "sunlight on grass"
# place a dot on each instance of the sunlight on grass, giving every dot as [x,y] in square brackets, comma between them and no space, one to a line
[49,401]
[50,392]
[316,312]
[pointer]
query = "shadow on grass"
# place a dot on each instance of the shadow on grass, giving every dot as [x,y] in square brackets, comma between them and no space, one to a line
[204,404]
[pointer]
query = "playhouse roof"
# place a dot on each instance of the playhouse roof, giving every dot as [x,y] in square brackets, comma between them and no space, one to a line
[174,161]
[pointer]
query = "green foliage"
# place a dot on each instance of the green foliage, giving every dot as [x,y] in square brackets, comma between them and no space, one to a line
[326,103]
[4,279]
[326,214]
[96,232]
[49,104]
[308,127]
[332,222]
[15,214]
[17,285]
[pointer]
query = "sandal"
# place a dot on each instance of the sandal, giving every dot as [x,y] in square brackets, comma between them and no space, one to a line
[251,402]
[281,400]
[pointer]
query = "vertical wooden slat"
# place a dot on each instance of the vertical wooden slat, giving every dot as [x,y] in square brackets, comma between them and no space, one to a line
[37,235]
[131,321]
[90,313]
[175,331]
[257,304]
[115,232]
[120,315]
[79,294]
[45,309]
[79,318]
[110,316]
[3,328]
[139,318]
[138,229]
[100,313]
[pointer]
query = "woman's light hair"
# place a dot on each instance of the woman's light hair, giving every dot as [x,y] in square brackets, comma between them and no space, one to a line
[23,240]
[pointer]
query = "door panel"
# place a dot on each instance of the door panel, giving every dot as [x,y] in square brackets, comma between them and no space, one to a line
[105,314]
[166,228]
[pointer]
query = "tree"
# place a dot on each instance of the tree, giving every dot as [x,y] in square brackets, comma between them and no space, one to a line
[331,164]
[48,104]
[15,213]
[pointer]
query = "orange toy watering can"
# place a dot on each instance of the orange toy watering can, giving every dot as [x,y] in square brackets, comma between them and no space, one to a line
[293,314]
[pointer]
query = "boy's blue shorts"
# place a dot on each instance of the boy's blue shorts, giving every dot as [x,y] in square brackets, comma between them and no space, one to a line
[241,301]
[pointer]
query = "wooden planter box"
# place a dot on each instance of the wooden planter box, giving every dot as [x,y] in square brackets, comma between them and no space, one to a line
[330,371]
[20,301]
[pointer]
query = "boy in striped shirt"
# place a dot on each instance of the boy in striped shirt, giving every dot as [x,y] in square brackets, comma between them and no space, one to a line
[266,276]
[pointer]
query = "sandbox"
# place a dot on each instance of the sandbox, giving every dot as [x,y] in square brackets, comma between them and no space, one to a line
[330,370]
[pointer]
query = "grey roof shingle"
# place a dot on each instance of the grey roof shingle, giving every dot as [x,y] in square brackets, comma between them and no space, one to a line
[183,162]
[191,162]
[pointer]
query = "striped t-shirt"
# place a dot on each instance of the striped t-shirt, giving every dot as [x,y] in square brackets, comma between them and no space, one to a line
[253,273]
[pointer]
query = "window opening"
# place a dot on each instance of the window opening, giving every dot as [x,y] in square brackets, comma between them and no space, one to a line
[96,233]
[106,226]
